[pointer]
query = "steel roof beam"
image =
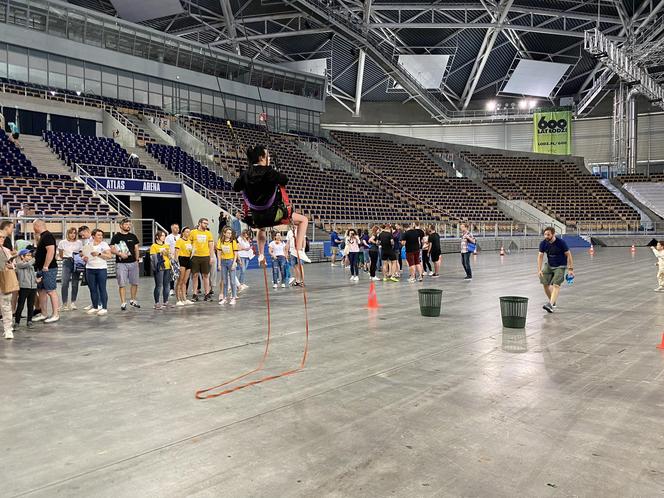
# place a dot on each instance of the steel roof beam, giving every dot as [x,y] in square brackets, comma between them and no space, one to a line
[230,25]
[483,25]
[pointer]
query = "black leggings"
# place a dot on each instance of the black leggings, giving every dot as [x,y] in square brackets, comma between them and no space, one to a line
[25,297]
[426,262]
[373,255]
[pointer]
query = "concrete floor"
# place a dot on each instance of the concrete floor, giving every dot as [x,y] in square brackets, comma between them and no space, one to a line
[390,403]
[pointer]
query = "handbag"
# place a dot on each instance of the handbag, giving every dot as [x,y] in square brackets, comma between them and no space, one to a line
[471,246]
[8,282]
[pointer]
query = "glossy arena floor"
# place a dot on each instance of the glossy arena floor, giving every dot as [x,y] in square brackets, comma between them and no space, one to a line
[390,403]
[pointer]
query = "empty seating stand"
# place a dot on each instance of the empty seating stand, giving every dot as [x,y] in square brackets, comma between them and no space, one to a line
[51,197]
[12,161]
[102,157]
[557,188]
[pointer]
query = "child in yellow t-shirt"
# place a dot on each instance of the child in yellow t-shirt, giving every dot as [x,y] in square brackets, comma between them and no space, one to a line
[161,269]
[228,256]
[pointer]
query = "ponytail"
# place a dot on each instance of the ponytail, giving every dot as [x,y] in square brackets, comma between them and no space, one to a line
[255,153]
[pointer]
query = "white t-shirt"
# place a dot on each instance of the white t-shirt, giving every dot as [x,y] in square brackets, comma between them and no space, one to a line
[68,247]
[96,262]
[245,248]
[170,240]
[290,239]
[353,244]
[277,249]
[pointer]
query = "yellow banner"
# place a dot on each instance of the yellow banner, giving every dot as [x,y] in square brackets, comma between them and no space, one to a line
[552,132]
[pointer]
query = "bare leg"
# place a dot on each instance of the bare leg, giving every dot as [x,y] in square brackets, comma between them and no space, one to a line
[554,293]
[134,292]
[547,291]
[194,280]
[122,294]
[261,238]
[54,302]
[43,302]
[301,223]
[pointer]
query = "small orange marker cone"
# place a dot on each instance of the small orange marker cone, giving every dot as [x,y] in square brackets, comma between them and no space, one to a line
[372,302]
[633,249]
[591,251]
[502,251]
[661,345]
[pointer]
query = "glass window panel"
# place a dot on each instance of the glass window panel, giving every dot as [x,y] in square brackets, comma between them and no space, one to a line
[76,27]
[168,103]
[299,87]
[3,69]
[155,99]
[57,64]
[17,14]
[37,18]
[92,87]
[18,63]
[125,78]
[94,33]
[125,93]
[92,72]
[74,68]
[207,109]
[197,61]
[207,97]
[57,22]
[57,80]
[140,82]
[194,94]
[154,85]
[171,53]
[37,60]
[126,42]
[109,76]
[221,69]
[140,96]
[109,90]
[111,37]
[75,83]
[184,59]
[156,52]
[194,106]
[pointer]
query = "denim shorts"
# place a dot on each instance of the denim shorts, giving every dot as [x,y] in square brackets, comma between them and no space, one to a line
[49,280]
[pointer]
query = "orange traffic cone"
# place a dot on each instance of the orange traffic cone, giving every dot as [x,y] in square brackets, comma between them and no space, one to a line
[591,251]
[661,345]
[502,251]
[372,302]
[633,249]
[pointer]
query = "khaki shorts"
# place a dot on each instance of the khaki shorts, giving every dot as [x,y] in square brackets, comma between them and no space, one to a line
[200,264]
[553,276]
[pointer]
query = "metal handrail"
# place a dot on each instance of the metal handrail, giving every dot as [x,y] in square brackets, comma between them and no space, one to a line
[208,194]
[130,169]
[102,191]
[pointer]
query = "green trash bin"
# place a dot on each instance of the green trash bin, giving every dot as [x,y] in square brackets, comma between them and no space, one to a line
[430,301]
[513,310]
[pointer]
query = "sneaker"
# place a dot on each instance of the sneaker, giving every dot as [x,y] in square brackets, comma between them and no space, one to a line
[431,274]
[135,304]
[659,289]
[274,286]
[385,279]
[157,306]
[9,334]
[421,279]
[179,303]
[165,306]
[73,307]
[332,264]
[303,256]
[208,297]
[375,279]
[52,319]
[394,279]
[291,280]
[102,312]
[283,286]
[66,307]
[123,306]
[222,301]
[548,307]
[467,278]
[435,275]
[88,307]
[261,259]
[242,287]
[195,298]
[30,325]
[172,293]
[91,311]
[352,277]
[188,302]
[232,301]
[38,318]
[411,280]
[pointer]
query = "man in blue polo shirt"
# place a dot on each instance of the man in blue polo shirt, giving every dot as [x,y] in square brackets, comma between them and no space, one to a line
[334,245]
[559,260]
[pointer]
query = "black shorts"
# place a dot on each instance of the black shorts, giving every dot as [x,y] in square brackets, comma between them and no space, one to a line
[264,219]
[185,262]
[435,255]
[388,255]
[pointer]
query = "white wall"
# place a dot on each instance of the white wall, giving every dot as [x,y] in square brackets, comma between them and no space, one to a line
[195,206]
[126,138]
[591,138]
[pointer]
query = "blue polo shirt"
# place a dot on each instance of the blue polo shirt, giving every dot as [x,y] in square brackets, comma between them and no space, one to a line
[555,252]
[333,239]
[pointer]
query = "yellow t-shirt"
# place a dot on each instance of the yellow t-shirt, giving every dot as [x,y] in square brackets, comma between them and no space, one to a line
[184,246]
[165,251]
[228,249]
[200,240]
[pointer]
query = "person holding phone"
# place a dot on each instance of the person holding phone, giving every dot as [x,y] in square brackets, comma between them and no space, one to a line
[96,255]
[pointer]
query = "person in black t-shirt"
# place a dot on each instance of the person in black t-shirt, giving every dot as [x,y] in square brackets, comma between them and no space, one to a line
[434,250]
[412,239]
[7,228]
[47,268]
[260,184]
[125,245]
[388,254]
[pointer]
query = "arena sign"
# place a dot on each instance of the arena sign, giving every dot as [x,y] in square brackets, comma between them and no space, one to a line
[144,186]
[552,132]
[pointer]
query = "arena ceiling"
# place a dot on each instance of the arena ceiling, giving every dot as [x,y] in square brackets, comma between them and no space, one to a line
[484,40]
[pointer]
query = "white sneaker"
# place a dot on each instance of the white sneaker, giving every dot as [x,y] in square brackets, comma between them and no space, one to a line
[303,256]
[283,285]
[274,286]
[659,289]
[91,311]
[66,307]
[38,318]
[411,280]
[88,307]
[179,303]
[352,277]
[332,264]
[9,334]
[291,280]
[232,302]
[172,293]
[222,301]
[375,279]
[52,319]
[73,307]
[261,259]
[102,312]
[188,302]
